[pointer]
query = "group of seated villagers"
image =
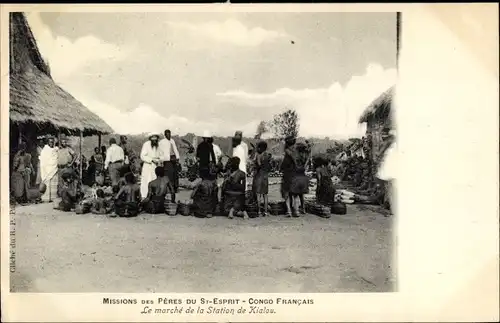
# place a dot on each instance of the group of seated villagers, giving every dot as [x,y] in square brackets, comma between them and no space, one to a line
[126,199]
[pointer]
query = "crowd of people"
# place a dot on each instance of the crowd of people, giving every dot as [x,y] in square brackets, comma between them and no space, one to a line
[150,181]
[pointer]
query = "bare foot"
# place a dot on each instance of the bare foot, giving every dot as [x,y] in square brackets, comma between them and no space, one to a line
[245,215]
[231,214]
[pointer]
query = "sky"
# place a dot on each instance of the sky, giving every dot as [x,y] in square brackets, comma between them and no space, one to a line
[221,72]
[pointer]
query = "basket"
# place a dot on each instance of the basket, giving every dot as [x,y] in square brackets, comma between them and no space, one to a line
[56,201]
[170,208]
[183,208]
[318,209]
[252,210]
[277,208]
[339,208]
[249,197]
[43,188]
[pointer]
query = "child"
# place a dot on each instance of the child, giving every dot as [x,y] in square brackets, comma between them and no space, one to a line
[128,197]
[260,184]
[325,191]
[70,191]
[205,194]
[234,189]
[158,189]
[100,205]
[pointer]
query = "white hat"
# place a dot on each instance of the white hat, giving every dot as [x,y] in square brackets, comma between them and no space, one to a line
[153,134]
[206,134]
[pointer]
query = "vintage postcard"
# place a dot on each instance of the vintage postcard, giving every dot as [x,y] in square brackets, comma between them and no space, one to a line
[249,163]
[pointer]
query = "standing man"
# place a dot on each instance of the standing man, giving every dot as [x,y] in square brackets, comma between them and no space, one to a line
[239,136]
[114,161]
[39,147]
[170,158]
[152,157]
[65,159]
[205,153]
[240,150]
[48,170]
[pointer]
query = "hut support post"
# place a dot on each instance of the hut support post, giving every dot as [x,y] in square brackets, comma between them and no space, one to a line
[81,156]
[99,141]
[20,129]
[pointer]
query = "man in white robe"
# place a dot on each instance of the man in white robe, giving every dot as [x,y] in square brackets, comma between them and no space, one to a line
[171,159]
[152,157]
[48,170]
[240,151]
[239,135]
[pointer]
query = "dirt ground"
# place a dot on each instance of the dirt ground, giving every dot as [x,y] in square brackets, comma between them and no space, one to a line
[66,252]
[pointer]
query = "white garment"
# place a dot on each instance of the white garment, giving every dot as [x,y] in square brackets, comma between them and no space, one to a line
[245,148]
[48,163]
[217,152]
[168,148]
[148,155]
[239,151]
[113,154]
[388,167]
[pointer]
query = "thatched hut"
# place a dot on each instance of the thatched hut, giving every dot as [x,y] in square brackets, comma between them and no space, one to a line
[378,117]
[37,104]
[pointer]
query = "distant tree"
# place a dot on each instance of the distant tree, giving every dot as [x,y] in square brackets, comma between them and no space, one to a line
[285,124]
[261,128]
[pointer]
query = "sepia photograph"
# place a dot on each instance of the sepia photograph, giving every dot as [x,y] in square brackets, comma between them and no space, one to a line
[184,152]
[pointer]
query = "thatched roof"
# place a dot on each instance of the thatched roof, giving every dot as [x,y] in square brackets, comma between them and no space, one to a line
[380,108]
[35,97]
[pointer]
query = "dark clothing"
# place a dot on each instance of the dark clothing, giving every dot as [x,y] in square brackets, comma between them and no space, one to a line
[299,184]
[126,209]
[154,205]
[69,196]
[20,180]
[233,191]
[205,154]
[171,171]
[260,184]
[288,171]
[98,161]
[325,191]
[205,198]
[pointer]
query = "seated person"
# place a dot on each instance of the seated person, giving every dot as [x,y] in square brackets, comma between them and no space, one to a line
[158,188]
[100,205]
[233,189]
[70,192]
[205,194]
[128,198]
